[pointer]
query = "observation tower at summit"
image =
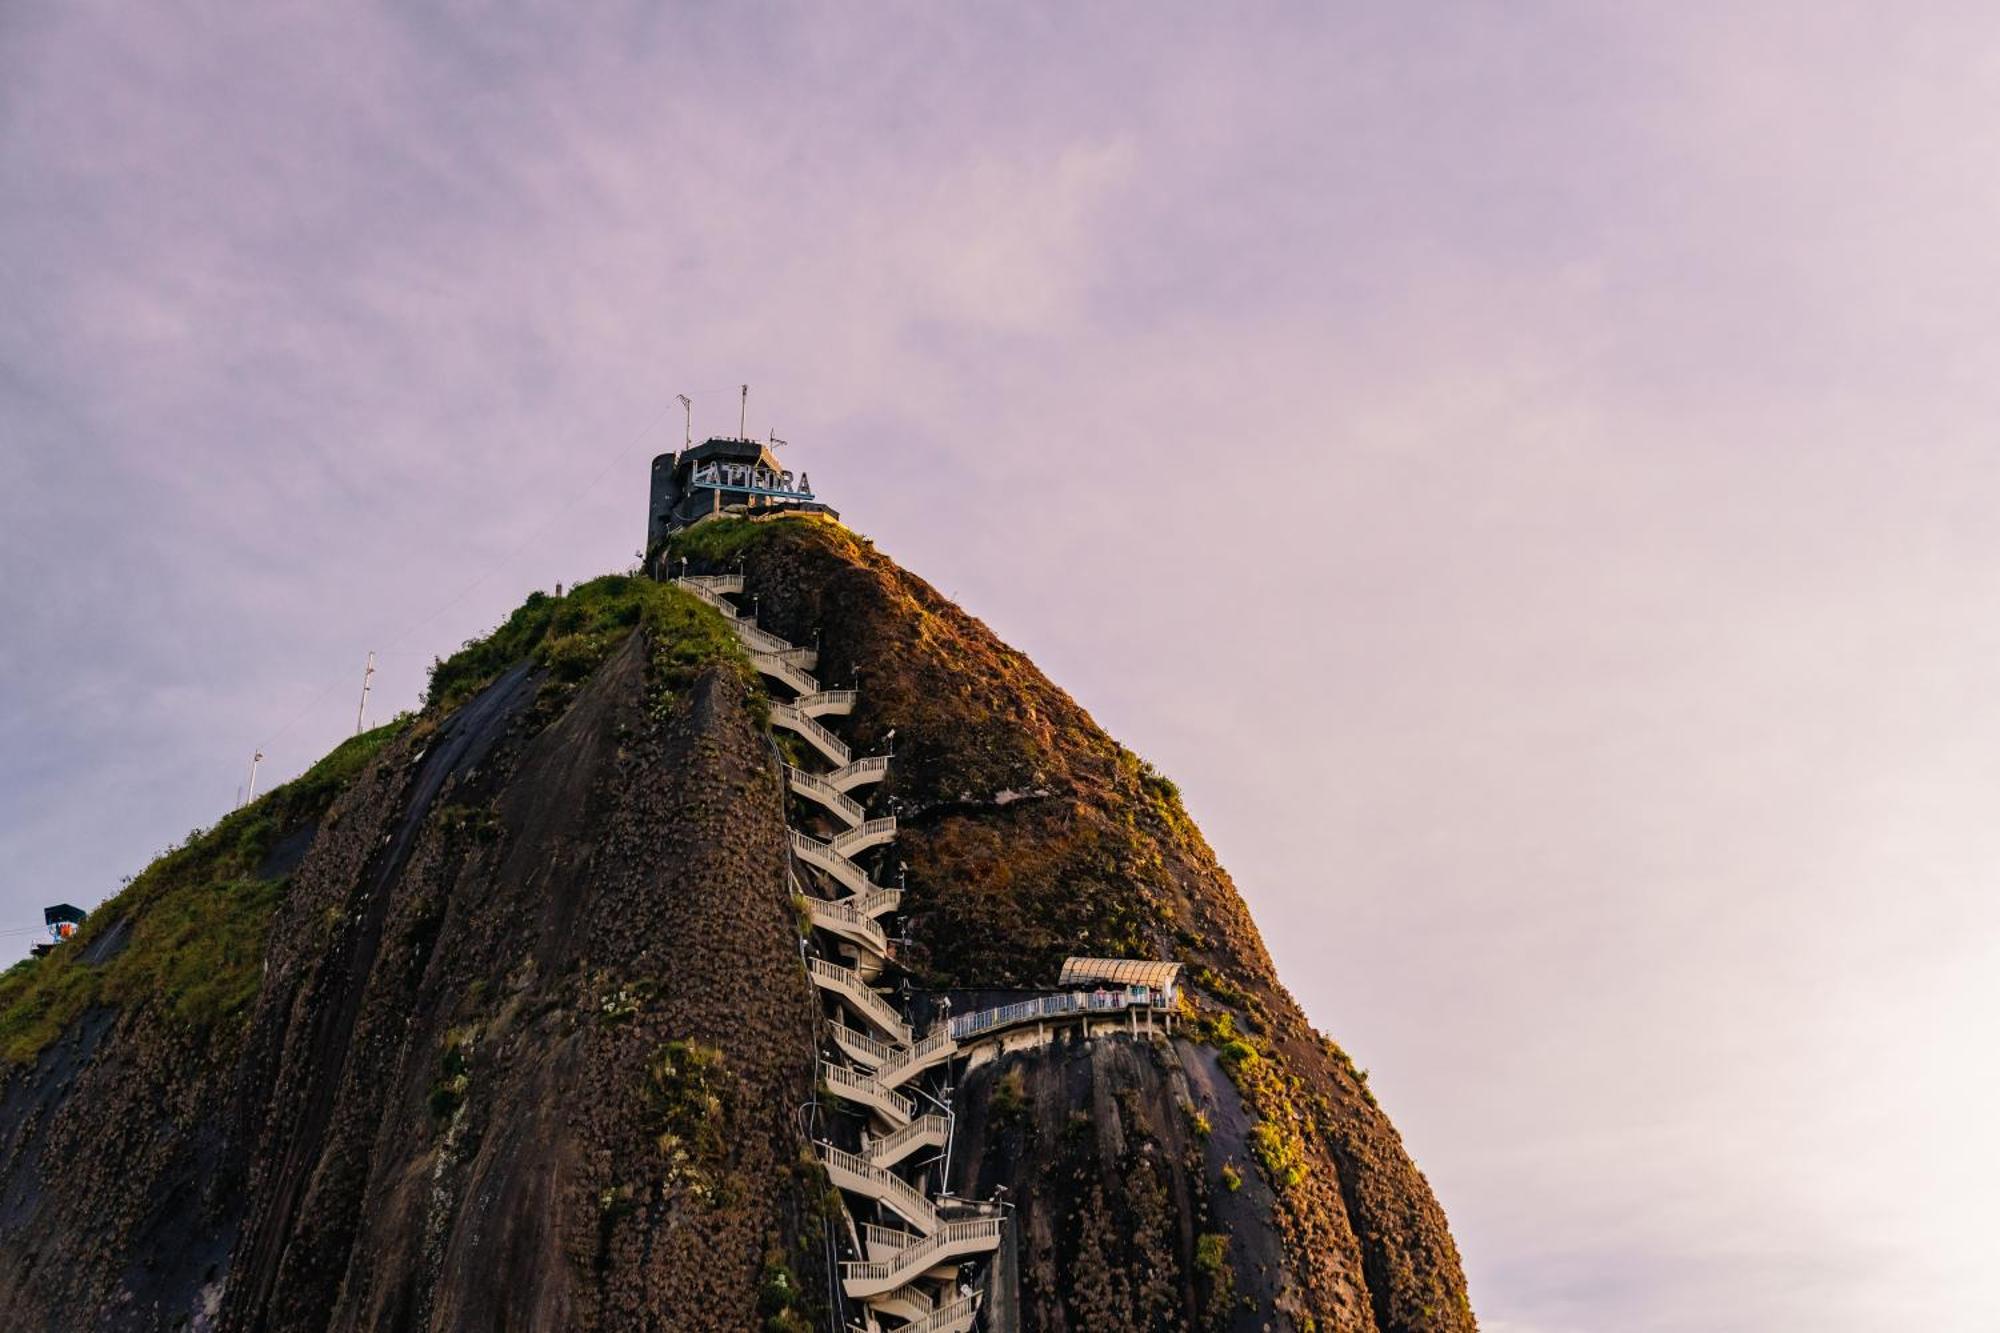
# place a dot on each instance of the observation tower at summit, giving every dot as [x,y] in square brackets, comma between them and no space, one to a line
[723,476]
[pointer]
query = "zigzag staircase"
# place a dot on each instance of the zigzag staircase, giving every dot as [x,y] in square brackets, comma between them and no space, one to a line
[908,1278]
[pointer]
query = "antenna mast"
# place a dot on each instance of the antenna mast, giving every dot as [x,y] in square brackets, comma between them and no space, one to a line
[256,758]
[361,713]
[743,417]
[687,410]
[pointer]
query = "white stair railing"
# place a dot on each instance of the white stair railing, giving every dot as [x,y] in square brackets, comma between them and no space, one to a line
[952,1240]
[906,1064]
[779,667]
[835,749]
[926,1131]
[886,1280]
[891,1190]
[843,920]
[717,583]
[861,1047]
[816,853]
[955,1317]
[848,1085]
[872,768]
[870,833]
[847,983]
[827,701]
[816,788]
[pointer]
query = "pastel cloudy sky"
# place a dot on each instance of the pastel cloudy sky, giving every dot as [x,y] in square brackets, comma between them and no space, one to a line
[1528,470]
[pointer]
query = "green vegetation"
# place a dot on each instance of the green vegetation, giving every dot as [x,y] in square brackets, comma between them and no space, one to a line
[781,1297]
[720,541]
[1279,1151]
[198,917]
[1211,1263]
[572,635]
[1276,1140]
[1232,1179]
[690,1094]
[448,1091]
[1008,1106]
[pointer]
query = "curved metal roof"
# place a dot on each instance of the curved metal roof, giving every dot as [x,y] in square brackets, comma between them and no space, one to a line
[1123,971]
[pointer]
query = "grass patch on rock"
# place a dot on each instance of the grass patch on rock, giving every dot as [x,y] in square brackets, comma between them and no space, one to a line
[197,917]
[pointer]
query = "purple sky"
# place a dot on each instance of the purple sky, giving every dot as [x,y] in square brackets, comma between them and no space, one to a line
[1528,471]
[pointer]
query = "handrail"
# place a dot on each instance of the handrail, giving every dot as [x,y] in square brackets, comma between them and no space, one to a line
[887,1238]
[761,639]
[871,1048]
[868,768]
[1069,1002]
[888,1274]
[835,915]
[922,1128]
[713,596]
[849,983]
[866,835]
[946,1316]
[830,745]
[828,858]
[890,1188]
[817,788]
[731,583]
[876,901]
[862,1086]
[779,666]
[914,1058]
[827,701]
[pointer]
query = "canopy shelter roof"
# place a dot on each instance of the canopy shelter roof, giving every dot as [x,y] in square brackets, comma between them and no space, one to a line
[63,912]
[1120,971]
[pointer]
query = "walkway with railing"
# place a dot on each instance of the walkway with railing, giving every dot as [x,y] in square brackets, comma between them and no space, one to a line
[967,1027]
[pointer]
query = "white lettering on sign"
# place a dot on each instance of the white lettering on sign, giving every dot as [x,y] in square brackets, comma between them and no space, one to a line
[752,478]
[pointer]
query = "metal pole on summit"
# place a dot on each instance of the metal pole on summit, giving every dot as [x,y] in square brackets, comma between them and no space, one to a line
[361,713]
[687,411]
[743,416]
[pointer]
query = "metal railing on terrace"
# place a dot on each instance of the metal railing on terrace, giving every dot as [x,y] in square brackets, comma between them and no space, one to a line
[1047,1006]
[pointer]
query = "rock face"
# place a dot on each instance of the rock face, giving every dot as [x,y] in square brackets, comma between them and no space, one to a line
[512,1030]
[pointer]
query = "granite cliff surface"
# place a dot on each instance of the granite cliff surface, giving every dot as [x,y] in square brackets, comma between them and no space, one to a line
[497,1019]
